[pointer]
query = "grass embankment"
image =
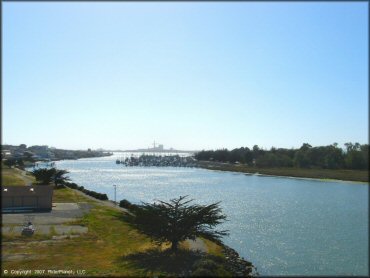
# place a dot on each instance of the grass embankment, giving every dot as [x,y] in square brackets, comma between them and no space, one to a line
[346,175]
[110,247]
[67,195]
[15,176]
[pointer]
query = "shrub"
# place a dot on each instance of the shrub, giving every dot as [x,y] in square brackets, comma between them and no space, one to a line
[91,193]
[72,185]
[202,272]
[125,204]
[210,267]
[206,264]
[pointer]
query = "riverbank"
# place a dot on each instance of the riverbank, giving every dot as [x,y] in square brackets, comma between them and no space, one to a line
[15,176]
[110,247]
[322,174]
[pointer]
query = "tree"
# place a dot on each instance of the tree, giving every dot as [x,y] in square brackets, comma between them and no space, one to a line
[46,176]
[356,156]
[267,160]
[221,155]
[365,154]
[10,162]
[20,163]
[59,177]
[256,151]
[177,220]
[28,156]
[301,159]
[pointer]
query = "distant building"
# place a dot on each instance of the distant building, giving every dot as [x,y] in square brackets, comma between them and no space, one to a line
[26,198]
[41,151]
[160,147]
[5,154]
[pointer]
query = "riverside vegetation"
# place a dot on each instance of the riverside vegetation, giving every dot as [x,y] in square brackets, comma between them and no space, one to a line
[323,162]
[112,246]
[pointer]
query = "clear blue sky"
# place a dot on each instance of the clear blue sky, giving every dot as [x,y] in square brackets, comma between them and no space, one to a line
[188,75]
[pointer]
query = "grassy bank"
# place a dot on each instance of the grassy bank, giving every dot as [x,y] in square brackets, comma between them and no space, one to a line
[14,176]
[110,247]
[346,175]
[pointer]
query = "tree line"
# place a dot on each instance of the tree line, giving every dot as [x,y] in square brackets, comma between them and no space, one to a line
[354,156]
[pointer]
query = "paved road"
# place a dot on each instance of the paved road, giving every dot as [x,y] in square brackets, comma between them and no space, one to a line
[47,222]
[61,213]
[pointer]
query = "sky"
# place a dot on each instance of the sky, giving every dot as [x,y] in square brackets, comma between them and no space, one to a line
[188,75]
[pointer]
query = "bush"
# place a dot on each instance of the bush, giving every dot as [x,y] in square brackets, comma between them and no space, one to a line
[10,162]
[206,264]
[91,193]
[71,185]
[125,204]
[210,267]
[202,272]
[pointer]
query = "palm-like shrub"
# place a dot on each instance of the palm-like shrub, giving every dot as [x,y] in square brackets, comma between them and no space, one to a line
[43,175]
[46,176]
[59,177]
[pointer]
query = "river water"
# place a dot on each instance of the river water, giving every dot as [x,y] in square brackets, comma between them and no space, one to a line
[284,226]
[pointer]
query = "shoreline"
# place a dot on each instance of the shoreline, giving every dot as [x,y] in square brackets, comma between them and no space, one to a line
[288,177]
[237,264]
[304,174]
[313,179]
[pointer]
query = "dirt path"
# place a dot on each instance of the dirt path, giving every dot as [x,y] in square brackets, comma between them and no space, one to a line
[24,177]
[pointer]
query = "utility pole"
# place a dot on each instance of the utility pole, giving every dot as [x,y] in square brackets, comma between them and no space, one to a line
[115,194]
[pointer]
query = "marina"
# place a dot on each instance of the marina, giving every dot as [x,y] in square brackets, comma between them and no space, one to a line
[151,160]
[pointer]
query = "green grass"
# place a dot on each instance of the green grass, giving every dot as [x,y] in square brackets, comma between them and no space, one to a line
[110,247]
[328,174]
[10,180]
[67,195]
[97,251]
[13,176]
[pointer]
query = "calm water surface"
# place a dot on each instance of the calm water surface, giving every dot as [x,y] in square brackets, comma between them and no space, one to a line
[284,226]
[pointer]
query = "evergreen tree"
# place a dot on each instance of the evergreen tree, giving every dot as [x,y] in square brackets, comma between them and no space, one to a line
[177,220]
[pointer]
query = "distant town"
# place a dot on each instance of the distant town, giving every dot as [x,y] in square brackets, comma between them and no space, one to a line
[22,153]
